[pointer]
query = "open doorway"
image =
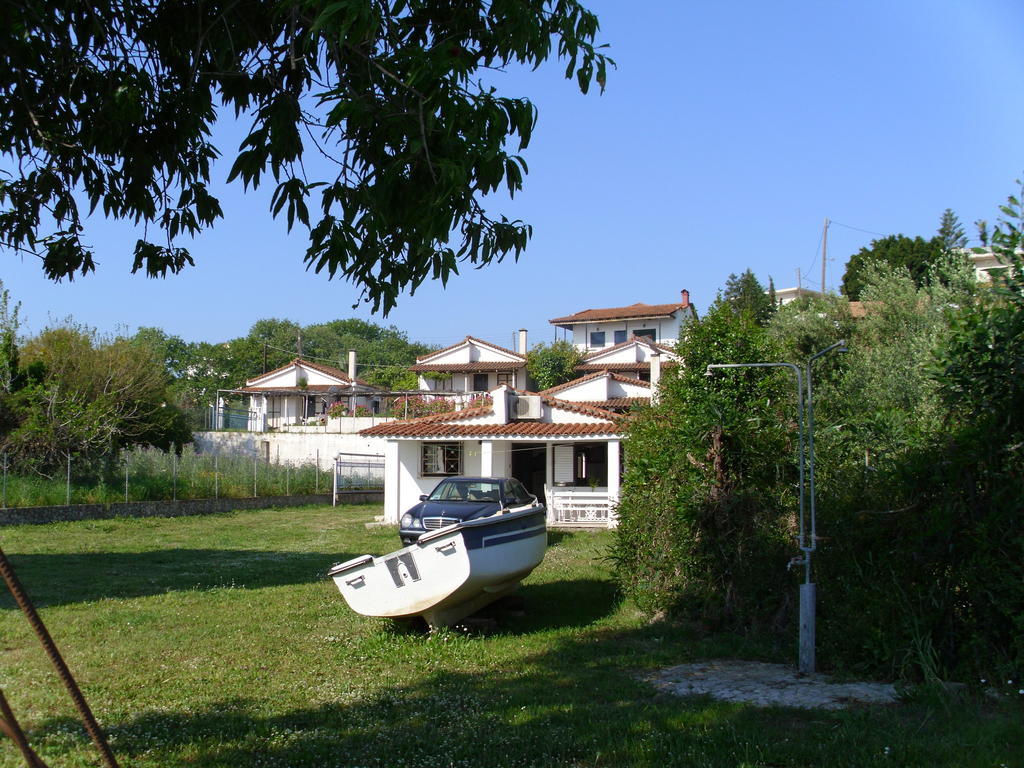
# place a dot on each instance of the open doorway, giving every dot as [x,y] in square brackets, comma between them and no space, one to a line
[529,467]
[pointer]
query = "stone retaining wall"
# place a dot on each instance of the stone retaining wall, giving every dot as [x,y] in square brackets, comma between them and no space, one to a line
[39,515]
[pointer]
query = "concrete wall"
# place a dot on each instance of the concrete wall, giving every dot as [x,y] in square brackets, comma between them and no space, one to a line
[40,515]
[292,447]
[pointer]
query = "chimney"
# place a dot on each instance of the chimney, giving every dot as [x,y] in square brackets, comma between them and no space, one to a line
[656,374]
[352,364]
[684,298]
[499,399]
[522,341]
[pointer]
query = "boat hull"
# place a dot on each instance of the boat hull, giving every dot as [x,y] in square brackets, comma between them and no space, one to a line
[449,573]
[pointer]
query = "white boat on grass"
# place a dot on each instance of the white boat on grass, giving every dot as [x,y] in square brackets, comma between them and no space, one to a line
[449,573]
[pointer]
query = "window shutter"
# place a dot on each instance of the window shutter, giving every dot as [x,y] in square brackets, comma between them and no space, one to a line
[564,470]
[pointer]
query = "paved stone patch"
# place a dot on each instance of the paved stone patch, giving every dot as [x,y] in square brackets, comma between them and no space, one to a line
[767,685]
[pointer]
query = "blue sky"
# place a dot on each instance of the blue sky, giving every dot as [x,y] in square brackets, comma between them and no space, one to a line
[727,134]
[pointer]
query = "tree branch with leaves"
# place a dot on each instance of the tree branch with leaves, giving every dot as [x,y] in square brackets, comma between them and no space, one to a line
[110,106]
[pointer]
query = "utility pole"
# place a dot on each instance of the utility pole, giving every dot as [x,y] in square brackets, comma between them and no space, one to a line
[824,254]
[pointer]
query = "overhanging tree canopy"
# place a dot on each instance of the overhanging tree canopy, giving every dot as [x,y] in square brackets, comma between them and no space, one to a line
[109,106]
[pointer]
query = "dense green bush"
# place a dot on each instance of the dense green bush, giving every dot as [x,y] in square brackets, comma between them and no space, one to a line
[919,438]
[707,512]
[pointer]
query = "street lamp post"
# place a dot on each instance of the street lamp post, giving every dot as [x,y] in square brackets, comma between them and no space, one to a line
[807,541]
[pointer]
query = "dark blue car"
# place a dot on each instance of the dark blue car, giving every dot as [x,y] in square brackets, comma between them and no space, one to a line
[463,498]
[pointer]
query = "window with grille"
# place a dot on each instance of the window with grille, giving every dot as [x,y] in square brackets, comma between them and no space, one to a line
[442,459]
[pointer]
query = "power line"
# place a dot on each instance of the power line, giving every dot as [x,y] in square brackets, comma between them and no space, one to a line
[814,259]
[857,229]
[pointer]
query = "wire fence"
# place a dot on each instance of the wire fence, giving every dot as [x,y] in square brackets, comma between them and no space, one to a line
[148,474]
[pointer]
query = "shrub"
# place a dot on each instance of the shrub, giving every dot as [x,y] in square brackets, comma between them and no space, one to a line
[707,508]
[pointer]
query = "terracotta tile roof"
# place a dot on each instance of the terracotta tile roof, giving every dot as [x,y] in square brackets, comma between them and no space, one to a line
[444,418]
[617,402]
[447,424]
[477,367]
[596,375]
[512,429]
[628,342]
[635,367]
[475,341]
[633,311]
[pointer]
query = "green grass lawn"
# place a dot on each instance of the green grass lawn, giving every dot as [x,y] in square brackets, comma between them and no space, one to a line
[218,641]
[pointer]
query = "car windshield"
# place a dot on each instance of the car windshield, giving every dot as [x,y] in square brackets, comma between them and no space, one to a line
[467,490]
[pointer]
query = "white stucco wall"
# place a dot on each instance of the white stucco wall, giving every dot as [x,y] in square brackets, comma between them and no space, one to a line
[404,484]
[666,330]
[595,389]
[290,376]
[287,447]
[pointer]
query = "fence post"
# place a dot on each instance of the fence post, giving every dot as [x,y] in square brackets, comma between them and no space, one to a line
[316,484]
[126,482]
[174,469]
[255,463]
[216,479]
[287,484]
[68,486]
[334,484]
[5,481]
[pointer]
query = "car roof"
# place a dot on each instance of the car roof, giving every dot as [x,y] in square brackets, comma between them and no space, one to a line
[477,479]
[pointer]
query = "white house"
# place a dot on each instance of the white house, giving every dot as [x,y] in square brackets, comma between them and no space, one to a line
[784,296]
[568,453]
[631,358]
[604,389]
[985,263]
[472,365]
[594,329]
[302,391]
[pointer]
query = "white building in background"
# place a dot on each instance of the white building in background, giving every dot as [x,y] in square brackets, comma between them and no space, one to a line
[567,453]
[604,389]
[595,329]
[985,263]
[630,358]
[472,365]
[786,295]
[301,392]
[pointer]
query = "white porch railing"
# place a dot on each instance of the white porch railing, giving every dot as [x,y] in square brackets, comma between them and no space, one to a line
[578,507]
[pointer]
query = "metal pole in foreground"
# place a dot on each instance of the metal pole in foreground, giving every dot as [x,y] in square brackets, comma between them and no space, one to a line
[807,540]
[35,621]
[808,590]
[334,482]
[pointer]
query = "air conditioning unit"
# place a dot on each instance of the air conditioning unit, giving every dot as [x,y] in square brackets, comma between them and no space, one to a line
[525,407]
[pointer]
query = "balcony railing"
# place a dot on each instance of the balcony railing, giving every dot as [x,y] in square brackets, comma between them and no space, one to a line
[579,507]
